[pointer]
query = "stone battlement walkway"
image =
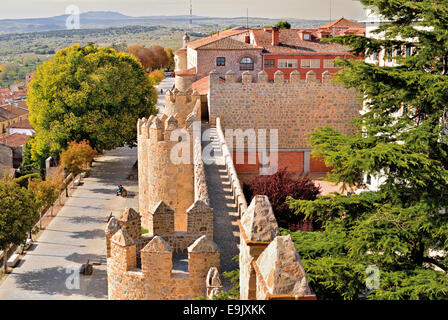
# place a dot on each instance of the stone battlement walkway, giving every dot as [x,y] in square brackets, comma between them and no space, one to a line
[226,231]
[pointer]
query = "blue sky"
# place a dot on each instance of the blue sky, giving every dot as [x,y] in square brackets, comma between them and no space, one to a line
[306,9]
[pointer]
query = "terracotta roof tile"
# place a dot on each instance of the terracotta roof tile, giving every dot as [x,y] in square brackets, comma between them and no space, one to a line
[202,86]
[6,114]
[342,23]
[290,42]
[15,109]
[229,44]
[221,35]
[188,72]
[14,140]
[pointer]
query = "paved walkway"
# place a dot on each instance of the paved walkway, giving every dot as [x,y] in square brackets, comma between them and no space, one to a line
[75,235]
[165,85]
[226,231]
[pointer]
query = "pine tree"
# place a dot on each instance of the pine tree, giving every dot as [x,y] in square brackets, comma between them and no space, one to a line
[402,228]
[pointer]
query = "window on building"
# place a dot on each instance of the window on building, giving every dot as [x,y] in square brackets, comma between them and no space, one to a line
[310,63]
[220,62]
[389,54]
[408,50]
[399,51]
[306,36]
[287,63]
[269,63]
[246,63]
[329,64]
[375,55]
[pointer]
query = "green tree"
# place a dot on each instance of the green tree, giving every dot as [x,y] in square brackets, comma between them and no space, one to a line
[283,25]
[88,93]
[402,136]
[17,212]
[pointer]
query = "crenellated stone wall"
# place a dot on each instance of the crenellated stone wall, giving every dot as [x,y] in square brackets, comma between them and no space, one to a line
[295,107]
[162,177]
[141,267]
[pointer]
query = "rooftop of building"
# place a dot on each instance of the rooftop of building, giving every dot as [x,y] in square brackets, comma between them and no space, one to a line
[14,140]
[290,41]
[215,37]
[202,86]
[342,23]
[22,124]
[5,114]
[15,108]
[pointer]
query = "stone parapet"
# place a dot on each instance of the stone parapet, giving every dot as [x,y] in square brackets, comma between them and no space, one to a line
[156,279]
[237,190]
[294,107]
[270,266]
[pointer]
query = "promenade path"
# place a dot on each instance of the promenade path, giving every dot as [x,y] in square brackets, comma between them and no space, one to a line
[165,85]
[75,235]
[226,231]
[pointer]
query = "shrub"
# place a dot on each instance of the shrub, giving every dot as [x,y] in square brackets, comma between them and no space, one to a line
[278,187]
[75,158]
[156,77]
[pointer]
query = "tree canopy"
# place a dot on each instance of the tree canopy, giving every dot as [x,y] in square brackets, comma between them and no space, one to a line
[18,209]
[402,228]
[91,93]
[155,57]
[283,25]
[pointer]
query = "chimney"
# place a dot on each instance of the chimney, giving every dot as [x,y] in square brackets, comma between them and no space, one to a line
[275,36]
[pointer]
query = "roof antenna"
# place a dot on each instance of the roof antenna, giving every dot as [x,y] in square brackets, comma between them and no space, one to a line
[190,27]
[331,18]
[247,18]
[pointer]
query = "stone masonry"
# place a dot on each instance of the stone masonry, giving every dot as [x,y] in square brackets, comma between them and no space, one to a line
[295,107]
[160,178]
[270,266]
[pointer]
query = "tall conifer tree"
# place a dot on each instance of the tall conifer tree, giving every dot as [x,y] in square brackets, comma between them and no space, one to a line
[402,228]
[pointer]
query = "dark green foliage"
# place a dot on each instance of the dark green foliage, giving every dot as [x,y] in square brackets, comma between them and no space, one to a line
[283,25]
[402,137]
[24,180]
[18,209]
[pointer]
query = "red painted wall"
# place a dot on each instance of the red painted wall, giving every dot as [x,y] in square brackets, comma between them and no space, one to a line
[292,160]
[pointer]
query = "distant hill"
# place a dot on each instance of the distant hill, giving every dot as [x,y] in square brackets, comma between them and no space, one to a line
[107,19]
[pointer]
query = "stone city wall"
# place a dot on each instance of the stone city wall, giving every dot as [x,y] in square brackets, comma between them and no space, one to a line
[294,107]
[141,267]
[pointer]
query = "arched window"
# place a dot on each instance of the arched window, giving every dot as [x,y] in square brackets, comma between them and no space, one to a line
[246,63]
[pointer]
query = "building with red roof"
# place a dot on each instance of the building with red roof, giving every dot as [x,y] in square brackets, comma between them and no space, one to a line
[269,49]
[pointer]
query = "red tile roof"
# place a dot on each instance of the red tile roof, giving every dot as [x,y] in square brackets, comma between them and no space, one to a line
[342,23]
[188,72]
[14,140]
[202,86]
[291,43]
[217,36]
[15,109]
[229,44]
